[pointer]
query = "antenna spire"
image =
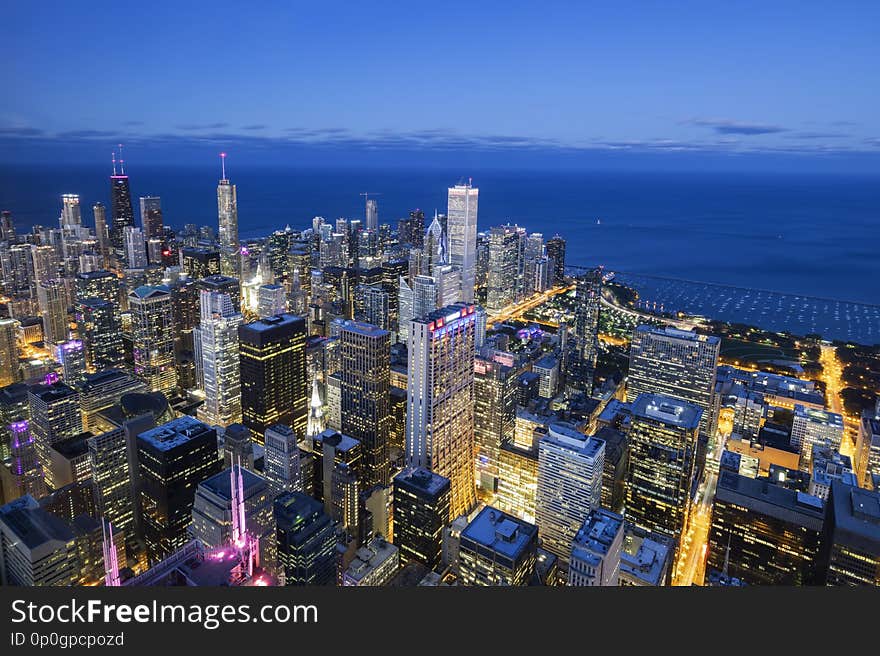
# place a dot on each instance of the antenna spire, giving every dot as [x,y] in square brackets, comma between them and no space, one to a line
[121,161]
[113,158]
[223,165]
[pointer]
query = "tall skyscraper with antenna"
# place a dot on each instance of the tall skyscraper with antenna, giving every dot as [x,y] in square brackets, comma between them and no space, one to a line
[461,231]
[227,213]
[121,209]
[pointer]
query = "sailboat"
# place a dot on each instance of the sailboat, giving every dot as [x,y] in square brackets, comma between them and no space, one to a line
[598,221]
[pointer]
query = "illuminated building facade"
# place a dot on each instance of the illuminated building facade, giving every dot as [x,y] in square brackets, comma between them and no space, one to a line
[595,550]
[306,541]
[570,466]
[227,214]
[461,231]
[517,481]
[274,387]
[421,510]
[677,363]
[811,427]
[497,549]
[173,459]
[54,416]
[153,334]
[663,438]
[365,368]
[440,403]
[494,417]
[852,536]
[281,461]
[765,534]
[217,359]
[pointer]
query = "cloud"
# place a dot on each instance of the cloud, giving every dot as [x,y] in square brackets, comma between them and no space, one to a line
[133,123]
[207,126]
[21,131]
[87,134]
[256,126]
[817,135]
[727,126]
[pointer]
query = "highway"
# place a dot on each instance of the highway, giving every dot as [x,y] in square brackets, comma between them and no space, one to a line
[517,310]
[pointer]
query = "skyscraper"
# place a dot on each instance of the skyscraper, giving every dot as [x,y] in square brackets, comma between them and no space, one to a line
[494,416]
[556,253]
[440,399]
[55,416]
[365,366]
[852,536]
[98,325]
[52,301]
[227,212]
[306,541]
[274,387]
[151,217]
[121,212]
[24,461]
[173,459]
[462,235]
[135,248]
[71,215]
[8,351]
[505,257]
[765,534]
[372,215]
[153,332]
[586,331]
[421,510]
[217,359]
[663,440]
[570,468]
[101,233]
[71,355]
[282,459]
[498,549]
[677,363]
[272,300]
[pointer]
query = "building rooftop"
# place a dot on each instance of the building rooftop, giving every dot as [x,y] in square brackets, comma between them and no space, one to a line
[53,392]
[363,328]
[448,314]
[273,322]
[818,416]
[678,333]
[150,291]
[174,433]
[32,525]
[769,498]
[668,410]
[337,440]
[423,480]
[369,557]
[856,510]
[73,447]
[500,532]
[596,536]
[566,435]
[546,362]
[221,485]
[645,556]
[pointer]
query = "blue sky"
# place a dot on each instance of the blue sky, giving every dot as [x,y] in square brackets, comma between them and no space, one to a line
[787,80]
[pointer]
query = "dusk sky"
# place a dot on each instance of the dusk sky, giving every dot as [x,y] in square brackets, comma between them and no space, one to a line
[781,79]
